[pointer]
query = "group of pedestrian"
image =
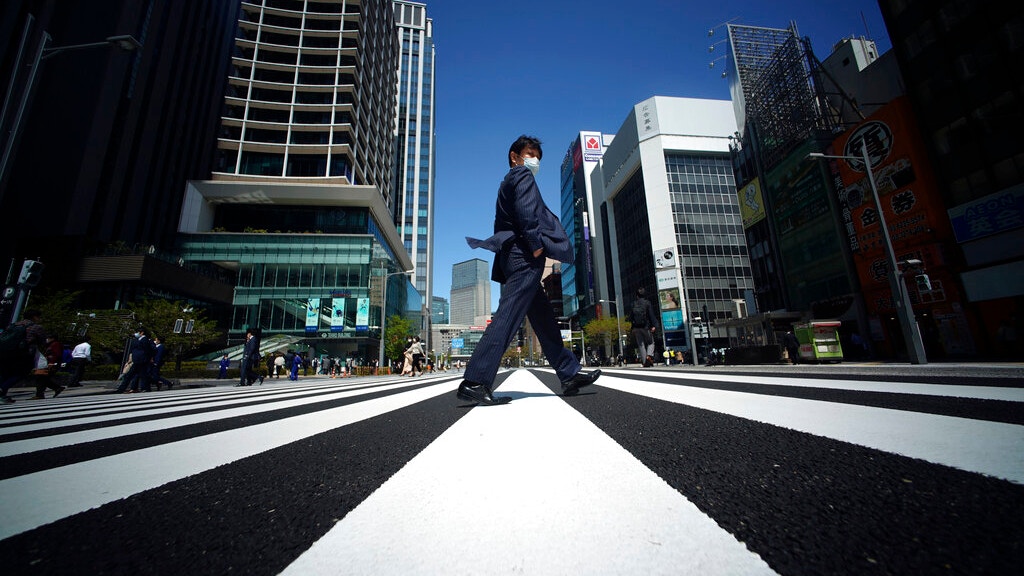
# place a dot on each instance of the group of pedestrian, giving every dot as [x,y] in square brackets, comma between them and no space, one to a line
[31,352]
[142,370]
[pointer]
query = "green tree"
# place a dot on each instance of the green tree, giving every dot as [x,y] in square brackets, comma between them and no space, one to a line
[399,329]
[603,331]
[58,310]
[107,330]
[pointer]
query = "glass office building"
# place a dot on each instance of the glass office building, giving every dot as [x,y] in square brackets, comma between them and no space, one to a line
[414,142]
[299,206]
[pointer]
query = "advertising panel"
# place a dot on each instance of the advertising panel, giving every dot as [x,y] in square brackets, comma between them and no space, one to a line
[751,203]
[362,313]
[312,314]
[337,314]
[993,214]
[906,189]
[912,209]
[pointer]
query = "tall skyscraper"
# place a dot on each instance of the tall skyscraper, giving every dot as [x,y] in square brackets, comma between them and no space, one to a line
[300,204]
[581,219]
[414,144]
[440,311]
[471,292]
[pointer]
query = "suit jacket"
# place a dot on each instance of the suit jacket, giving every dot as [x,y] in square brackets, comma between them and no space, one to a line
[251,350]
[158,354]
[142,350]
[520,216]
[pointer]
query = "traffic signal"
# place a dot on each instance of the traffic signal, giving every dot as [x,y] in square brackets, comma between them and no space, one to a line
[924,284]
[31,273]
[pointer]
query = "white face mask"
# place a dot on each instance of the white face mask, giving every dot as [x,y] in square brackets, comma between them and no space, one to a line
[532,163]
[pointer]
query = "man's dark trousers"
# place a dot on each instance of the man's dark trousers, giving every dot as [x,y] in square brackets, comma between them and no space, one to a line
[521,295]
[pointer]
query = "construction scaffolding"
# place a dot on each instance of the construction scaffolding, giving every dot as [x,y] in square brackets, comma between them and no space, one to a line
[779,83]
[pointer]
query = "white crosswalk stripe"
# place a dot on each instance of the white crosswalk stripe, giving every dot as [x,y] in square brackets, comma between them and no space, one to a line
[531,481]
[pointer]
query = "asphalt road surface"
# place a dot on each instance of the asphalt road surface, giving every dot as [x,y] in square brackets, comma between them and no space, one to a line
[793,470]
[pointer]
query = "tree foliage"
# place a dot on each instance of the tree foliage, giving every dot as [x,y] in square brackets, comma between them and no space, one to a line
[159,317]
[399,329]
[602,331]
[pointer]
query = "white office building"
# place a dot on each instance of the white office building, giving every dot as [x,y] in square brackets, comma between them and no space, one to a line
[674,224]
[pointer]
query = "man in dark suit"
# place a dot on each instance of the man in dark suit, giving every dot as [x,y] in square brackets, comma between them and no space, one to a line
[159,357]
[141,354]
[525,232]
[250,356]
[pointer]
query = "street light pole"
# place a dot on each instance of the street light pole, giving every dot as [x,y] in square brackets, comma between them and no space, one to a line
[42,52]
[900,295]
[384,315]
[618,325]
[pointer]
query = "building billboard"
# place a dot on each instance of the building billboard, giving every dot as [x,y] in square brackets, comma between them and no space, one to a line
[312,314]
[913,211]
[337,314]
[362,313]
[751,203]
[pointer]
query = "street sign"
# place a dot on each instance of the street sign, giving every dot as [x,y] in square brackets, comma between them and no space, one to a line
[458,343]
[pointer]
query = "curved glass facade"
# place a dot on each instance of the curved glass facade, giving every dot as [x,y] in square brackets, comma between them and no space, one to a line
[283,278]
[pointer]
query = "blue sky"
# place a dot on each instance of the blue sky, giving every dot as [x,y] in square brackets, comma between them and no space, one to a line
[551,69]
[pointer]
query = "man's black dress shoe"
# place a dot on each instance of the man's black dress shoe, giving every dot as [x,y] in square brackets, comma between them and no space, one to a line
[571,386]
[469,392]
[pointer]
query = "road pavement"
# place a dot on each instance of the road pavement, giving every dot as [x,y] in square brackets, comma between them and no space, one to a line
[834,469]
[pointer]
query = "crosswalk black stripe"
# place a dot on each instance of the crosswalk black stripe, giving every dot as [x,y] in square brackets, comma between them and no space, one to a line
[813,505]
[974,408]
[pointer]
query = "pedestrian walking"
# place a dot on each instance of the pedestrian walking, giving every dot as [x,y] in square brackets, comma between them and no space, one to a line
[17,356]
[81,356]
[141,356]
[44,377]
[159,355]
[225,363]
[525,233]
[792,347]
[250,359]
[645,323]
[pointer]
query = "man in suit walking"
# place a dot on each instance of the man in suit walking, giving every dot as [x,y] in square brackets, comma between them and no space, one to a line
[250,356]
[159,356]
[525,232]
[141,354]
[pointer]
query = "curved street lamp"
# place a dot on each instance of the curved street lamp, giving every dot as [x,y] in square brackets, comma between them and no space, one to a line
[900,296]
[384,315]
[43,51]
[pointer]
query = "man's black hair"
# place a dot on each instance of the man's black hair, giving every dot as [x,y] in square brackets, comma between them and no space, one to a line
[522,143]
[640,292]
[32,313]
